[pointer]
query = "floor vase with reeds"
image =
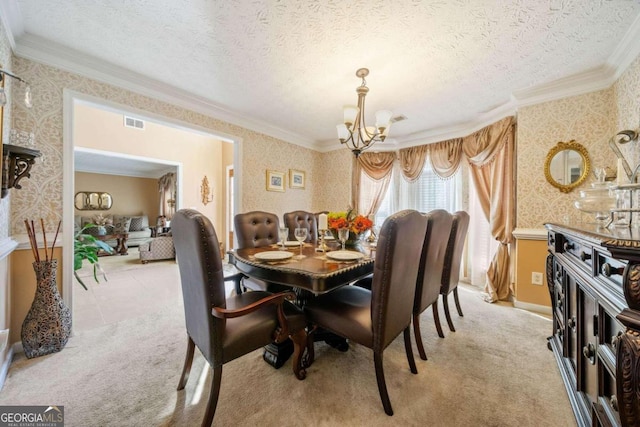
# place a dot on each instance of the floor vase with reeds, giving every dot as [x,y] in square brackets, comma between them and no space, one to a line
[47,327]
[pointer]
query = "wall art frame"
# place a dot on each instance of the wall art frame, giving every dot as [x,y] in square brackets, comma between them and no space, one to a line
[297,179]
[275,180]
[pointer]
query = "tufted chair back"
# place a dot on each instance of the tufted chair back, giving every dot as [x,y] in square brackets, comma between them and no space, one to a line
[297,219]
[256,228]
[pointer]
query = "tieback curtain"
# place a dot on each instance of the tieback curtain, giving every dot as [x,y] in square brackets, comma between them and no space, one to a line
[490,153]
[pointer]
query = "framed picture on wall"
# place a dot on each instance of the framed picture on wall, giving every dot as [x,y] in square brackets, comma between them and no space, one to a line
[296,178]
[275,180]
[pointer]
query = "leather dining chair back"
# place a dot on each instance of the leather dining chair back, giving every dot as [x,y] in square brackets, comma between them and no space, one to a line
[224,328]
[452,263]
[374,318]
[429,278]
[256,228]
[297,219]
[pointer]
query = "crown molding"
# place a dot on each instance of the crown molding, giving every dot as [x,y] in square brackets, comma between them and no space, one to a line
[627,50]
[40,50]
[12,21]
[589,81]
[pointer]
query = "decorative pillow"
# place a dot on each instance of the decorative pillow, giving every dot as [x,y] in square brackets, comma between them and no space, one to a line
[121,224]
[136,224]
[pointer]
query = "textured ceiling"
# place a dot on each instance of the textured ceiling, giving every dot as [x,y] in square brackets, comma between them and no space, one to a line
[291,64]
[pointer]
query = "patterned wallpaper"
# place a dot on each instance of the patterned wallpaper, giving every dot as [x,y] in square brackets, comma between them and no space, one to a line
[41,196]
[590,119]
[332,191]
[626,94]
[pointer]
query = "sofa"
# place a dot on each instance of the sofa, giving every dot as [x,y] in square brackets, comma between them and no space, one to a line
[136,226]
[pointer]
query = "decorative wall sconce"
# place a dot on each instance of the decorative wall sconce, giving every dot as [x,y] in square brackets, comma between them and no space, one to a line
[27,89]
[205,191]
[16,164]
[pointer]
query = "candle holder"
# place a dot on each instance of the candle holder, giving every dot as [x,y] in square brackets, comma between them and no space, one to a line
[322,247]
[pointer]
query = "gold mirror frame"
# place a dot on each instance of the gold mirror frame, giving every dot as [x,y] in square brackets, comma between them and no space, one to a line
[93,201]
[561,146]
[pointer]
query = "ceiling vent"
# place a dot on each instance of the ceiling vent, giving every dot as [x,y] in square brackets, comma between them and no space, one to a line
[399,118]
[131,122]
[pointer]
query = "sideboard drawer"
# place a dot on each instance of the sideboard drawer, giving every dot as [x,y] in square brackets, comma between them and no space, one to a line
[609,269]
[582,253]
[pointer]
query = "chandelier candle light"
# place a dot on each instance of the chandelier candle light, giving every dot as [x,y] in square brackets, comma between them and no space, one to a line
[354,132]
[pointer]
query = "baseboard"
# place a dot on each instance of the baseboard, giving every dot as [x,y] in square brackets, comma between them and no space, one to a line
[4,370]
[542,309]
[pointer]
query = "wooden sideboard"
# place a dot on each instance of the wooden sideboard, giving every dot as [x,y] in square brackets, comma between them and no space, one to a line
[593,276]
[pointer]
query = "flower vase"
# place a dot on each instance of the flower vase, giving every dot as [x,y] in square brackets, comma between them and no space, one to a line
[102,230]
[353,240]
[47,327]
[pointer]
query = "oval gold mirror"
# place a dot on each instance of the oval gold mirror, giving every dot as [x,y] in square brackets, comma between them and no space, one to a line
[567,165]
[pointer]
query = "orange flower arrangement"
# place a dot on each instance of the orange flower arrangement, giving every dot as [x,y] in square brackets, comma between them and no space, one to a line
[356,224]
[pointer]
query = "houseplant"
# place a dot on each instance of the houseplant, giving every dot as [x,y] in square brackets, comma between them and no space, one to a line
[86,247]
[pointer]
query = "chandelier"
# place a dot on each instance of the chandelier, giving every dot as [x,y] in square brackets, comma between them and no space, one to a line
[354,132]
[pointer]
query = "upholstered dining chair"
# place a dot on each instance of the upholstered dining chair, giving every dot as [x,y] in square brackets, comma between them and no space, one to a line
[223,328]
[254,229]
[374,318]
[299,219]
[429,278]
[452,262]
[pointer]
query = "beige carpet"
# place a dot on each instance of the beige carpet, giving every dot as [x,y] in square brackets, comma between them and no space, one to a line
[494,371]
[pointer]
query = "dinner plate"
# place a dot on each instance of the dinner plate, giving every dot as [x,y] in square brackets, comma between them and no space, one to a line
[273,255]
[292,243]
[345,255]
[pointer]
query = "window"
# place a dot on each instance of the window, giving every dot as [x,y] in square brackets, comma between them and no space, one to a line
[427,193]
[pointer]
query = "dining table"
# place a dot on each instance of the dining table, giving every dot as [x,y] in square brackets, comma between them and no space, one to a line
[309,271]
[317,272]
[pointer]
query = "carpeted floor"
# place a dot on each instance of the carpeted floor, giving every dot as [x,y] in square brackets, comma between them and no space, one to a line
[494,371]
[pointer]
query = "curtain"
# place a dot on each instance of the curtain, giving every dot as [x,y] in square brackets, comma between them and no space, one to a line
[378,167]
[167,190]
[446,157]
[490,152]
[412,161]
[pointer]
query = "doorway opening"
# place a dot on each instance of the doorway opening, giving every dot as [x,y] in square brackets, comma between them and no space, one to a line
[103,143]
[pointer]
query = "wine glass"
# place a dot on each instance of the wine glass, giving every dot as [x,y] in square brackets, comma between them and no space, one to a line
[301,235]
[283,233]
[343,235]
